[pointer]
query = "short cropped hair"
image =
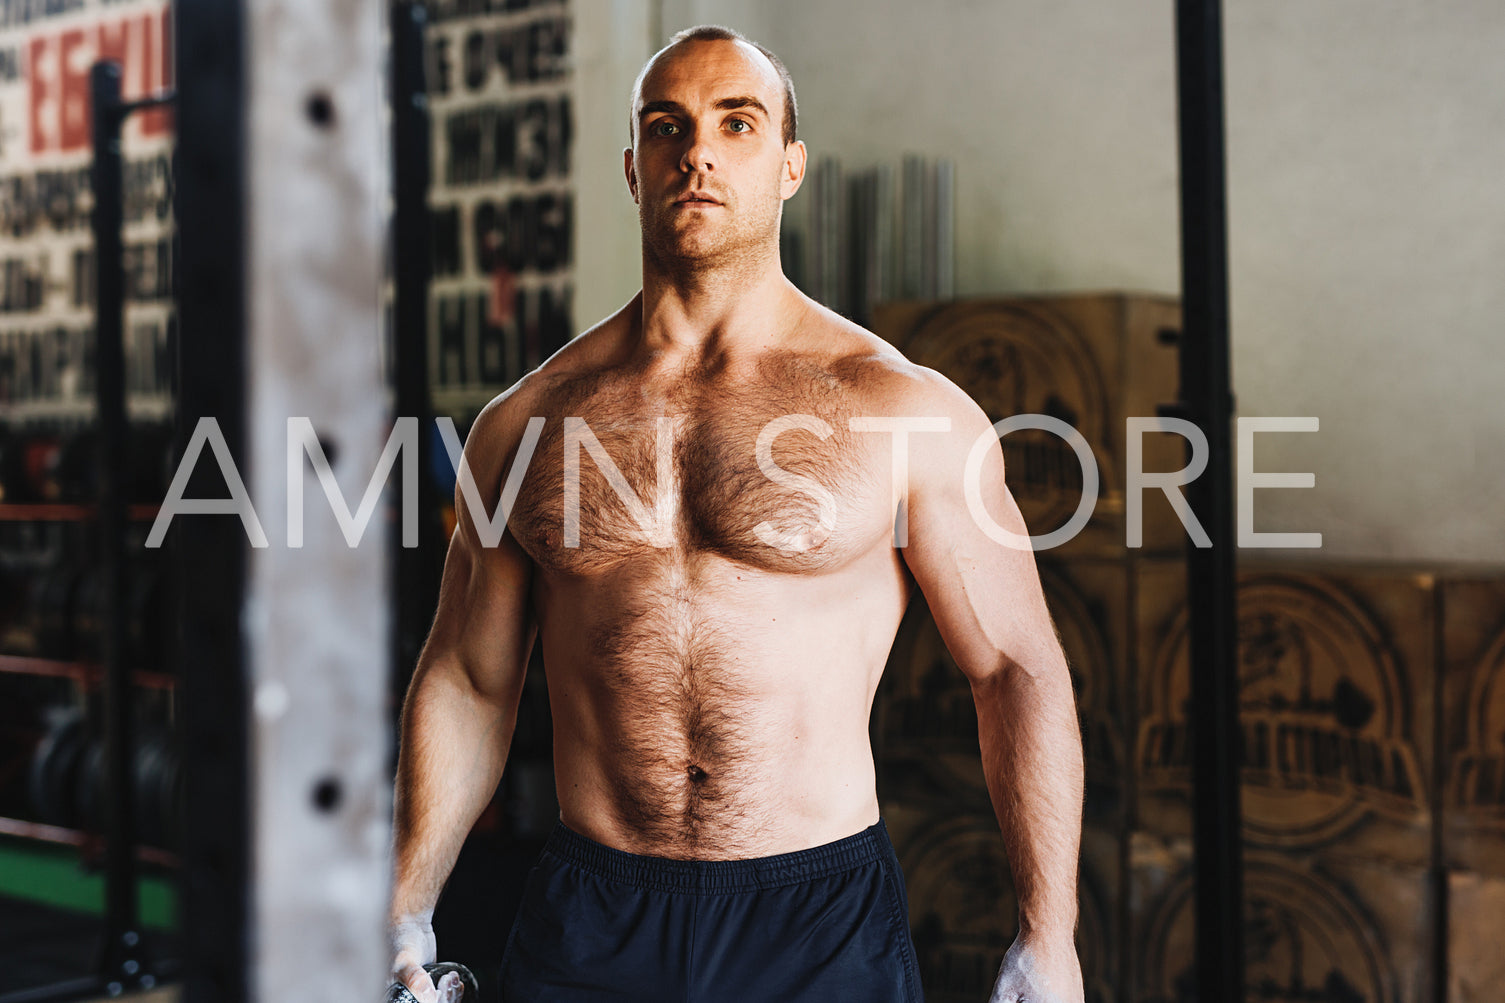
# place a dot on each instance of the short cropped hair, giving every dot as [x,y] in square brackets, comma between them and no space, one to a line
[719,33]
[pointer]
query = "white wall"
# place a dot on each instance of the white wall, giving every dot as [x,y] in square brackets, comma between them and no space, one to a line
[1367,206]
[610,43]
[1367,209]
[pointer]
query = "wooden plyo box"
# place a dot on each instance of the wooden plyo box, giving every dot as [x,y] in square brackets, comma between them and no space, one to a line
[1473,652]
[1337,679]
[962,909]
[1473,791]
[1090,360]
[1336,929]
[1476,910]
[1342,694]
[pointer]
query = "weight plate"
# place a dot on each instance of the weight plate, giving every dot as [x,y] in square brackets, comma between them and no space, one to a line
[88,787]
[64,726]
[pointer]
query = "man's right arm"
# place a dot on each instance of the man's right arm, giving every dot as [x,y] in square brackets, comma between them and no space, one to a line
[461,706]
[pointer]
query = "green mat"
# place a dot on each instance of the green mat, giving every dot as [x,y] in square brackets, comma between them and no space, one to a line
[54,875]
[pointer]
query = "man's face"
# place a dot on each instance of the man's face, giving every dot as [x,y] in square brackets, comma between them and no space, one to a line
[709,169]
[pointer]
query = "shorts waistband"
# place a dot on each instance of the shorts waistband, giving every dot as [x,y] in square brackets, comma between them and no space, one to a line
[667,874]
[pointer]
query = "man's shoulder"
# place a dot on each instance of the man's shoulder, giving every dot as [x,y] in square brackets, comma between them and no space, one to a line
[890,385]
[891,382]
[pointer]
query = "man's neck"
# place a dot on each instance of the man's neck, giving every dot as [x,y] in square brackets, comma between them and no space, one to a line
[715,311]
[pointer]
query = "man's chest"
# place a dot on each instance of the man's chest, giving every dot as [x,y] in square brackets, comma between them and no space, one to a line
[764,474]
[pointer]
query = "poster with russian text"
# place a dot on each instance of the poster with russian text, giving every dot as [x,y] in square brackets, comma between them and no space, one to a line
[46,251]
[499,78]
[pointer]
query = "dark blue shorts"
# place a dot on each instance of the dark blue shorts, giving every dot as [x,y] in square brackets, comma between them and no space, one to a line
[824,925]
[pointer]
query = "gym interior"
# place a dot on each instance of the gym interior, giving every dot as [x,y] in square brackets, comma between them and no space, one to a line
[1278,227]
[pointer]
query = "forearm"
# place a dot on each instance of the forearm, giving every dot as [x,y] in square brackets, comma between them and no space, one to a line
[1032,758]
[454,745]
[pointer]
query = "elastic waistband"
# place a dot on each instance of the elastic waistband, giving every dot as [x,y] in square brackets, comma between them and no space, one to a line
[719,876]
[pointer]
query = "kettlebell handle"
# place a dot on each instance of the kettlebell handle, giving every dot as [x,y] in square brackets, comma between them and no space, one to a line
[398,993]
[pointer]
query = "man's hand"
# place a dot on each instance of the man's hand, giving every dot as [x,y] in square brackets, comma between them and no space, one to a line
[1038,972]
[413,946]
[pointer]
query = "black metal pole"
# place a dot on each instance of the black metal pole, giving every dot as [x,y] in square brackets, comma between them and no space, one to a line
[1207,392]
[209,205]
[121,962]
[418,568]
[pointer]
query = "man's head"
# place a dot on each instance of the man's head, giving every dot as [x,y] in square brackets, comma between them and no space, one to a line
[716,33]
[714,152]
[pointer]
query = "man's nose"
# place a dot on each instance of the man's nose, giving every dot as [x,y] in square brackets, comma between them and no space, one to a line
[699,154]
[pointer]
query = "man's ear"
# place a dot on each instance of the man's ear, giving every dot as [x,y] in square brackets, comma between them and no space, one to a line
[632,175]
[793,173]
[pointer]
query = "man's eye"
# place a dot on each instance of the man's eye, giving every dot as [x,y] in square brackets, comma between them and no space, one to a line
[738,125]
[665,129]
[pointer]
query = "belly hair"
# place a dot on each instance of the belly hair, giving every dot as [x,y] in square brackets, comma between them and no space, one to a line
[678,758]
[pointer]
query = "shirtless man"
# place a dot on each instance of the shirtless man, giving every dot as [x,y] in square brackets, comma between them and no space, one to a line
[704,539]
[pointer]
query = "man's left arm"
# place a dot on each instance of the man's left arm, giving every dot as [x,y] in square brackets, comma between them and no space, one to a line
[987,602]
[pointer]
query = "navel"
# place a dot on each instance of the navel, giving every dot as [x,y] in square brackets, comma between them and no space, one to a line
[696,774]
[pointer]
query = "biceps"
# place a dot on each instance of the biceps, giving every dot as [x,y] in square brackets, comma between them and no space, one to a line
[484,620]
[985,596]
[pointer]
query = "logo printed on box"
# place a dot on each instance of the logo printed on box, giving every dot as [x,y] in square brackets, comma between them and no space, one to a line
[1477,785]
[1015,361]
[1305,940]
[1322,709]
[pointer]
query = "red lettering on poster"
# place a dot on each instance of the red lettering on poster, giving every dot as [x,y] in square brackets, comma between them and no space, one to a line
[43,73]
[74,108]
[158,64]
[58,78]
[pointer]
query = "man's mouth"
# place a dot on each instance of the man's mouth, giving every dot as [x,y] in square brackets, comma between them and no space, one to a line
[697,198]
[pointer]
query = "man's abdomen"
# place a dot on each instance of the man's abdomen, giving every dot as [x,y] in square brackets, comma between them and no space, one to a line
[716,718]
